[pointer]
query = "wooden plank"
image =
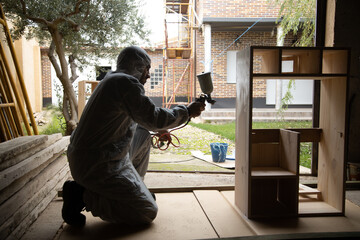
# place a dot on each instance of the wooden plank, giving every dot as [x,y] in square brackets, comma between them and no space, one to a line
[270,60]
[30,201]
[308,60]
[22,148]
[305,190]
[308,134]
[271,172]
[17,185]
[186,54]
[350,223]
[190,189]
[272,135]
[316,208]
[14,147]
[81,97]
[243,129]
[15,172]
[180,217]
[225,220]
[265,155]
[331,175]
[49,193]
[289,150]
[171,53]
[18,201]
[335,61]
[264,135]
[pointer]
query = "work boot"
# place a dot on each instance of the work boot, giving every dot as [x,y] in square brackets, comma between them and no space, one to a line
[73,204]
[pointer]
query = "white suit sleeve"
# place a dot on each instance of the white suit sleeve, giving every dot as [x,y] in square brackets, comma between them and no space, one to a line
[143,111]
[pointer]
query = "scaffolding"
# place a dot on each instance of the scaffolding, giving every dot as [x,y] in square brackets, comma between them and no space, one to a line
[178,82]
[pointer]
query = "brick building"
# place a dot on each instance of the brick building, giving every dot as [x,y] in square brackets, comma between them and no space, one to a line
[218,25]
[46,78]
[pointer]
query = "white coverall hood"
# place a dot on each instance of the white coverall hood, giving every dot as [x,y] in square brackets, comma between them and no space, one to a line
[133,60]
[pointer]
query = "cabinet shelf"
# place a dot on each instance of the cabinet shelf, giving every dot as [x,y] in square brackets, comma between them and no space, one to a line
[267,160]
[271,172]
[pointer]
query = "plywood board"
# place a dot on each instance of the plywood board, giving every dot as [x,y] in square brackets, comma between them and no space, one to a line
[264,135]
[334,224]
[271,172]
[316,208]
[335,61]
[225,220]
[272,135]
[265,155]
[289,150]
[180,217]
[308,134]
[332,145]
[308,61]
[270,60]
[308,191]
[229,164]
[10,149]
[243,128]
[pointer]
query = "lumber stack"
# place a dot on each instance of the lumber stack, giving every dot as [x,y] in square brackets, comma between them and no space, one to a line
[32,168]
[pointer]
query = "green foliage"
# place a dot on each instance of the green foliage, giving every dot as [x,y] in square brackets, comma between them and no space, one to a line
[281,124]
[89,28]
[228,131]
[56,123]
[305,154]
[298,16]
[286,100]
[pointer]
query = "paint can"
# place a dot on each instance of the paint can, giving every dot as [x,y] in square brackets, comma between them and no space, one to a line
[218,151]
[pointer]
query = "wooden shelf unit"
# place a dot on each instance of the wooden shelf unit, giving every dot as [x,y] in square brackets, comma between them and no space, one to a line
[267,160]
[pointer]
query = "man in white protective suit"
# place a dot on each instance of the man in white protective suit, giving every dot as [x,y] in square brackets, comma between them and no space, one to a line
[110,148]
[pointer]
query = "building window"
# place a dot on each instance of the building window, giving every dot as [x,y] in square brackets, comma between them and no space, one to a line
[101,71]
[156,77]
[231,67]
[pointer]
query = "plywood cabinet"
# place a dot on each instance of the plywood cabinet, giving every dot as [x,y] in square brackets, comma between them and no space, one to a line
[267,160]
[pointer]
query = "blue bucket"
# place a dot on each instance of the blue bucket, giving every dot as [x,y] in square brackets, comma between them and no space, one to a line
[218,151]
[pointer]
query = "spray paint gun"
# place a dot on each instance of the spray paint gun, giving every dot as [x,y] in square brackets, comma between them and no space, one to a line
[206,87]
[158,140]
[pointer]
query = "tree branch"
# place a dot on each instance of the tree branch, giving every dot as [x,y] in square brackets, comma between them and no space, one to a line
[76,10]
[73,67]
[34,19]
[53,59]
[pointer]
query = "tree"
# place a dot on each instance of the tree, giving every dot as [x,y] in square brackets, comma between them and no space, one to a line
[297,17]
[76,32]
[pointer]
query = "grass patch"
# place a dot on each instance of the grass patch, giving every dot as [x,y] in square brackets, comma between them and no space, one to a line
[227,130]
[56,123]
